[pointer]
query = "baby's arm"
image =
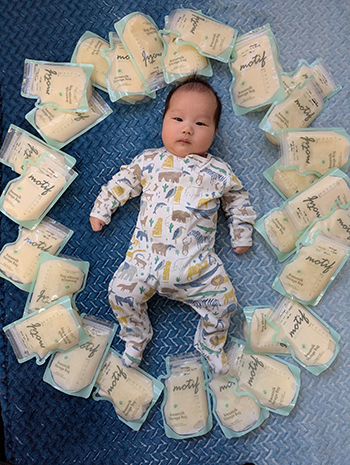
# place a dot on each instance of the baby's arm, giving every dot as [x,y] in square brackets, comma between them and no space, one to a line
[123,185]
[241,216]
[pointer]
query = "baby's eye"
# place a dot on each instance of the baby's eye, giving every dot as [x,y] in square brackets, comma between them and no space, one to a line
[200,123]
[177,118]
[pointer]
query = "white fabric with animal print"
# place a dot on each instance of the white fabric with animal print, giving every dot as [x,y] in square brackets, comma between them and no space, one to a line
[171,251]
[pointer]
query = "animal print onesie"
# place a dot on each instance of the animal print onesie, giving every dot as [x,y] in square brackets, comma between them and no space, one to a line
[171,250]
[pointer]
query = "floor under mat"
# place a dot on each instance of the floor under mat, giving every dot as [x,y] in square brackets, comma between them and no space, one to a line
[45,426]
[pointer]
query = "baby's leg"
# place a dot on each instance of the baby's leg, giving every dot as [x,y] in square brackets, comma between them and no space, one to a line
[215,301]
[128,294]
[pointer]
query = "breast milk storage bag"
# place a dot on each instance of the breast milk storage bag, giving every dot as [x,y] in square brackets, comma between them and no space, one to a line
[256,78]
[185,407]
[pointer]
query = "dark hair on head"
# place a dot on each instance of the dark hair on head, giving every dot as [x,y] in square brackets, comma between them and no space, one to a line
[195,83]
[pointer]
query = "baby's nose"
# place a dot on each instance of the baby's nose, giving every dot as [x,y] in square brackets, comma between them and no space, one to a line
[187,129]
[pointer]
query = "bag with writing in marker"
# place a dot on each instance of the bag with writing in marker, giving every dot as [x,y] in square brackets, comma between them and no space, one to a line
[306,155]
[20,145]
[254,65]
[28,198]
[132,391]
[19,259]
[185,408]
[273,383]
[75,373]
[55,328]
[309,273]
[55,277]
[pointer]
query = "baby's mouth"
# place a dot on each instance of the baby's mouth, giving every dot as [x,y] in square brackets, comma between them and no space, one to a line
[184,141]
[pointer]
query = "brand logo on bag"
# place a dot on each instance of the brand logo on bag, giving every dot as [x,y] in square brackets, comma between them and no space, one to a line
[151,58]
[42,184]
[323,263]
[311,205]
[257,59]
[253,367]
[28,152]
[35,333]
[195,21]
[298,319]
[119,373]
[47,79]
[305,109]
[306,147]
[80,116]
[190,384]
[90,347]
[41,245]
[346,227]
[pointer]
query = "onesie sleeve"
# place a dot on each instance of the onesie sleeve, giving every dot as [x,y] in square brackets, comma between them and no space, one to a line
[241,215]
[124,185]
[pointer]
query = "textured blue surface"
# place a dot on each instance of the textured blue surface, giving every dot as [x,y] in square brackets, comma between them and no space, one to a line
[44,426]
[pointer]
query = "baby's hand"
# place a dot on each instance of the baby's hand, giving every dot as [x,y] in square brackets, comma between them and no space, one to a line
[240,250]
[96,223]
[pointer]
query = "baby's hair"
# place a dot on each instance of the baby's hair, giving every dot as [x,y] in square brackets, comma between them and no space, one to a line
[195,83]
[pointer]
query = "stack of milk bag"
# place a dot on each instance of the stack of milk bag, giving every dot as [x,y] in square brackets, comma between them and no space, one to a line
[311,226]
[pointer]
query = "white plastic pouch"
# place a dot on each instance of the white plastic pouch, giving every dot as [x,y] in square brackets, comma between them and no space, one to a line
[325,83]
[75,373]
[212,38]
[236,414]
[180,61]
[20,145]
[28,198]
[89,51]
[273,383]
[55,328]
[66,86]
[139,35]
[282,226]
[298,110]
[19,259]
[59,128]
[312,342]
[260,334]
[309,273]
[132,391]
[123,81]
[55,277]
[254,65]
[185,407]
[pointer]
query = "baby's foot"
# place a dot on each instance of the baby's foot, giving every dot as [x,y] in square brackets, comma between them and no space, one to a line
[131,357]
[218,363]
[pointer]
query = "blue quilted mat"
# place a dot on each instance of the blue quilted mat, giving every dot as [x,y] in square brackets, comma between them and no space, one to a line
[45,426]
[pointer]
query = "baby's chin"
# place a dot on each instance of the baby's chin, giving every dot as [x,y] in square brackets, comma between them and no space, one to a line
[184,153]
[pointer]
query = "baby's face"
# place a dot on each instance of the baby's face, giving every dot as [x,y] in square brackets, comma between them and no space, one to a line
[188,125]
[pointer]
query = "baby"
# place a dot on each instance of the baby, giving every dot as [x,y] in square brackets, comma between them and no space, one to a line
[171,250]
